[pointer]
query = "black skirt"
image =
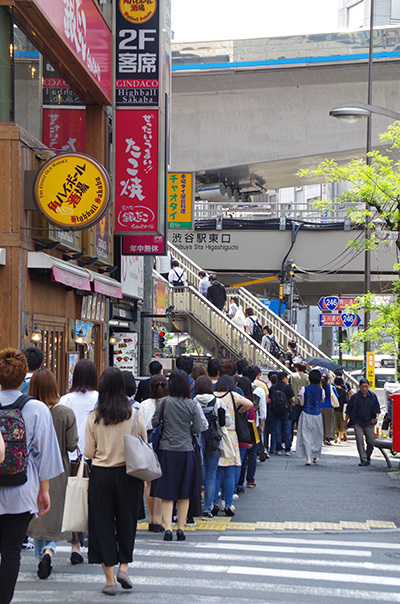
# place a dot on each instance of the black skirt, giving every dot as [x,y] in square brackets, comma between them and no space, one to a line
[178,480]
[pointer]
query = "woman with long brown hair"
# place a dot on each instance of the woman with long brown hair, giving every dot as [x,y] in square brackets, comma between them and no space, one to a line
[114,497]
[46,530]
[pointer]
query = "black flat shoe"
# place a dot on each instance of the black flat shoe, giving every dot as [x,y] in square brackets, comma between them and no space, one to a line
[76,558]
[215,510]
[44,567]
[229,512]
[158,528]
[168,536]
[180,535]
[151,528]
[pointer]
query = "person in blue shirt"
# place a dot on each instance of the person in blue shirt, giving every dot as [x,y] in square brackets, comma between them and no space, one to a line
[362,414]
[310,430]
[18,504]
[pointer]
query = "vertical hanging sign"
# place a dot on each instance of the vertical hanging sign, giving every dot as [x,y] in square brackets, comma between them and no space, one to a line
[139,118]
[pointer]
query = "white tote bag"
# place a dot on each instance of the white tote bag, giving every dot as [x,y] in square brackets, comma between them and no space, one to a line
[141,461]
[76,508]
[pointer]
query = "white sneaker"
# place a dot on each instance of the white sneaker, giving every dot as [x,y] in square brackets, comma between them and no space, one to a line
[235,496]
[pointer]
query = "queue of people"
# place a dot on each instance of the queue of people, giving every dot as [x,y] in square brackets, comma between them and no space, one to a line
[217,424]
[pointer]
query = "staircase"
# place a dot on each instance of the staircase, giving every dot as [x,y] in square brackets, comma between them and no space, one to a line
[213,329]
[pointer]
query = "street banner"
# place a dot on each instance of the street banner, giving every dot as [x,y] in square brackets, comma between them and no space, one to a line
[180,200]
[136,171]
[335,303]
[343,320]
[137,53]
[370,370]
[144,245]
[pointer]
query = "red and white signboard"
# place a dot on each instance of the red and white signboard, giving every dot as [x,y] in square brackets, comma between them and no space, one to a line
[84,29]
[65,129]
[143,245]
[136,171]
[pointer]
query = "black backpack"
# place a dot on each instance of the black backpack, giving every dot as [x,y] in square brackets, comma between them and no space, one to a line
[275,348]
[279,403]
[257,334]
[211,435]
[12,427]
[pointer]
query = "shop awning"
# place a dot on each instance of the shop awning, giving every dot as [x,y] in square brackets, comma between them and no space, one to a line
[2,256]
[62,272]
[105,285]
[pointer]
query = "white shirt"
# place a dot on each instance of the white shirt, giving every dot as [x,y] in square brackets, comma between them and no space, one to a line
[262,405]
[148,407]
[163,263]
[249,322]
[81,403]
[176,274]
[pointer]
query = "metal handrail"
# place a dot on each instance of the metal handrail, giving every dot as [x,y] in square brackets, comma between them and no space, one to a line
[188,300]
[283,331]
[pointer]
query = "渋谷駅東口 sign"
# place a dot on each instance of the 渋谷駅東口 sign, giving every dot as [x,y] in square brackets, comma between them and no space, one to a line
[72,191]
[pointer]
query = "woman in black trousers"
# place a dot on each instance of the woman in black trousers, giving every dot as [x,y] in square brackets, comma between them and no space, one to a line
[114,497]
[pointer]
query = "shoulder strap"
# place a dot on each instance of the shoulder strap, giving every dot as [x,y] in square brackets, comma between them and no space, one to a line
[179,276]
[21,402]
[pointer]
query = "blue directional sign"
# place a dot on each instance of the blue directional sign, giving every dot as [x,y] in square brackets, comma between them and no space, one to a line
[335,303]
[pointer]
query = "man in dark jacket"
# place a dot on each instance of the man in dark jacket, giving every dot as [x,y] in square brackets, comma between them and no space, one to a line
[143,391]
[216,293]
[362,413]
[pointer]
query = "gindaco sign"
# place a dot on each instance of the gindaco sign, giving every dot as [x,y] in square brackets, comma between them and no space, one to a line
[72,191]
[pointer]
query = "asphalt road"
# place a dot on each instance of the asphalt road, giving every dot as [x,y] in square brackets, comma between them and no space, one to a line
[334,539]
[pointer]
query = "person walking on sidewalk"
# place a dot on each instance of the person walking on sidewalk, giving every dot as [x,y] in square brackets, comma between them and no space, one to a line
[362,414]
[310,430]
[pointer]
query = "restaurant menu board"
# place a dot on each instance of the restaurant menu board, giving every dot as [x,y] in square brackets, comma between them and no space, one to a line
[126,351]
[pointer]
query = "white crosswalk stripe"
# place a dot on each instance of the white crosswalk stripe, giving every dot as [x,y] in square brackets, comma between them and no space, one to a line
[239,568]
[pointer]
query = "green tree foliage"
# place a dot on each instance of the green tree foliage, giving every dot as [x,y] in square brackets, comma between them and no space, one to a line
[373,196]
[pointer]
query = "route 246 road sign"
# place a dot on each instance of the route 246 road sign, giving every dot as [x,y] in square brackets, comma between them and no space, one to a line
[334,303]
[343,320]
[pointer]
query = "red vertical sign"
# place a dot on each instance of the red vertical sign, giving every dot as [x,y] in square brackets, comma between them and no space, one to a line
[136,171]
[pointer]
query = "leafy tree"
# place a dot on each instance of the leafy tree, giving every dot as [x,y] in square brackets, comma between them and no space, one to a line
[373,196]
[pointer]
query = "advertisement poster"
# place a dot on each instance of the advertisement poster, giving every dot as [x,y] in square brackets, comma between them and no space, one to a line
[72,359]
[180,200]
[126,351]
[160,298]
[102,238]
[137,53]
[136,172]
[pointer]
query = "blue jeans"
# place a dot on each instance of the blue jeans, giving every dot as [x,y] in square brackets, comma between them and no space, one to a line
[210,475]
[240,469]
[283,431]
[41,545]
[226,475]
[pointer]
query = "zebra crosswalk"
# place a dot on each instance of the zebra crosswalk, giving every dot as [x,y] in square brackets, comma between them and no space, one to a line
[212,568]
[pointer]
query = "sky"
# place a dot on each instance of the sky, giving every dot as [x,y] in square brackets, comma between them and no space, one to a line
[204,20]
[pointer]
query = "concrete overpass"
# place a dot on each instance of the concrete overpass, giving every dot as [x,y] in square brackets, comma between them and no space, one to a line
[258,110]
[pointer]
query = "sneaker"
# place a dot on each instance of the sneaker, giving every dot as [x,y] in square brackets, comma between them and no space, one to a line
[289,453]
[278,453]
[315,460]
[235,496]
[251,485]
[174,520]
[190,521]
[27,544]
[229,511]
[207,516]
[240,490]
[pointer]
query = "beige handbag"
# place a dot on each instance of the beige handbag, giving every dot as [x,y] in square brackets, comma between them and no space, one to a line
[334,399]
[76,507]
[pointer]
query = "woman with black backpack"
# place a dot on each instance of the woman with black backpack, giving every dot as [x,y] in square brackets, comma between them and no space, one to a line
[216,415]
